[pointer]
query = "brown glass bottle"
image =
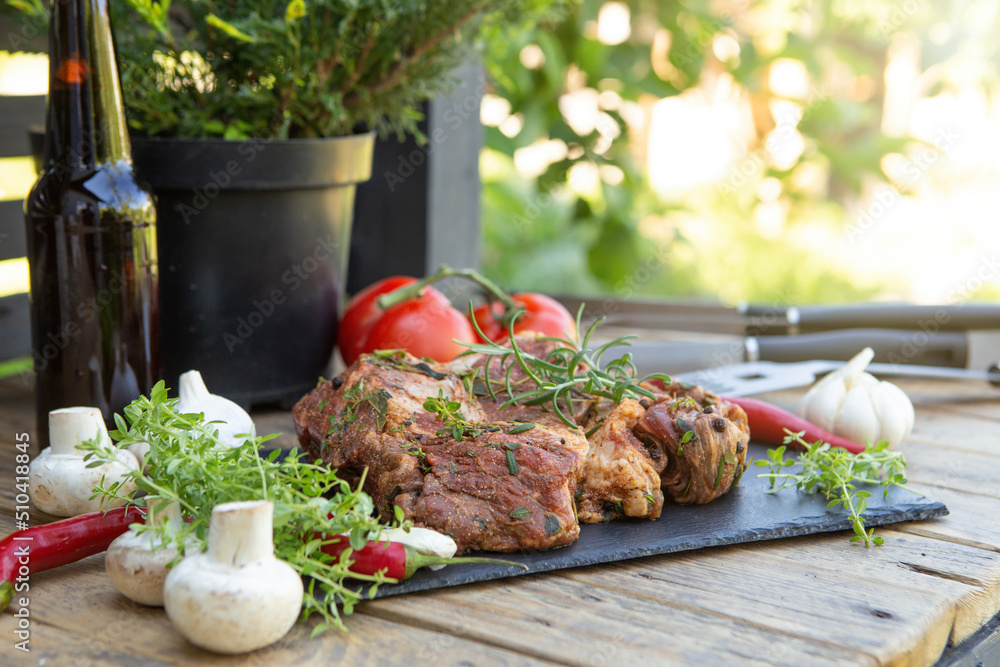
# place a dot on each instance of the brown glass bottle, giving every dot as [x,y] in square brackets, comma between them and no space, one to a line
[91,233]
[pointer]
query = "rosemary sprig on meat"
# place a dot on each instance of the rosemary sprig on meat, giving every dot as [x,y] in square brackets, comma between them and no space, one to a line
[571,369]
[835,472]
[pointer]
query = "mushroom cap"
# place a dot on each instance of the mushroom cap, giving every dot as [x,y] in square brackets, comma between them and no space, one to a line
[136,570]
[62,484]
[232,610]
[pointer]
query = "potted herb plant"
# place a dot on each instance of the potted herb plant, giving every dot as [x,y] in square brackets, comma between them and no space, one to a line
[253,121]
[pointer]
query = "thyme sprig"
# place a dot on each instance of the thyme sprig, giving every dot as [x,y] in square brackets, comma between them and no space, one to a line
[449,412]
[571,370]
[836,472]
[187,463]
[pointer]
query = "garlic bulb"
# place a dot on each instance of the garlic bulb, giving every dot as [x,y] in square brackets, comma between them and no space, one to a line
[236,425]
[857,406]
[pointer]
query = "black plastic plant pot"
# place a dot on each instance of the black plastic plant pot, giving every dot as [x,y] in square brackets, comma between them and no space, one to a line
[253,245]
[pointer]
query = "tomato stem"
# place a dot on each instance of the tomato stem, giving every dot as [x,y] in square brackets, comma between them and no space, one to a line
[412,291]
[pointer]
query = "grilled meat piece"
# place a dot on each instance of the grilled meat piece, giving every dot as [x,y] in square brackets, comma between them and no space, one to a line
[489,488]
[619,477]
[503,478]
[699,440]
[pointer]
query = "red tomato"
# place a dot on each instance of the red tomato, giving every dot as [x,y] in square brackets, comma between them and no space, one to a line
[542,314]
[361,313]
[424,327]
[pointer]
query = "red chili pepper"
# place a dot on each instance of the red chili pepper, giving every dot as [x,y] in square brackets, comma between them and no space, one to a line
[44,547]
[397,560]
[768,423]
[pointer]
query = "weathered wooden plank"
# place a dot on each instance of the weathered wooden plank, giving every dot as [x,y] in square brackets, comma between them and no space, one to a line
[558,618]
[276,421]
[890,621]
[80,600]
[966,471]
[969,575]
[987,407]
[980,650]
[958,432]
[48,645]
[971,522]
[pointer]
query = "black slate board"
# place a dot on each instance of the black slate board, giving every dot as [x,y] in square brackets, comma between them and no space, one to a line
[745,514]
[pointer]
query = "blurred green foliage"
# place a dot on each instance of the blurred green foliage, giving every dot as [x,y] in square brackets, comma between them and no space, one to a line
[620,235]
[288,68]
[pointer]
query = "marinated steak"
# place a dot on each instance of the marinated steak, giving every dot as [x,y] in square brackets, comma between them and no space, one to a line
[492,483]
[438,442]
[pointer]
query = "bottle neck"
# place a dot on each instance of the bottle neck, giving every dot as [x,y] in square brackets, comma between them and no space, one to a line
[86,114]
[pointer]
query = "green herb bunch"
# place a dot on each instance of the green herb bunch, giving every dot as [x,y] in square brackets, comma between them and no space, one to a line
[835,472]
[187,463]
[290,68]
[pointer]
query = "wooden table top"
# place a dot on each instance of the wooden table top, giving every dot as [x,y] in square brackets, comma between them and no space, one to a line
[813,600]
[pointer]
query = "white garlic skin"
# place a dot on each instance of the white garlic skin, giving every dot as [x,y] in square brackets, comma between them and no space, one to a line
[857,406]
[232,422]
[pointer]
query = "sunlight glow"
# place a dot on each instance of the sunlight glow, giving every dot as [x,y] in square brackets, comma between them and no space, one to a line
[23,74]
[725,47]
[693,141]
[532,56]
[614,23]
[14,276]
[532,161]
[493,110]
[788,78]
[580,110]
[512,125]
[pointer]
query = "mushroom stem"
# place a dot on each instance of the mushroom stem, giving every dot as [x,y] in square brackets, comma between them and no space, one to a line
[241,532]
[71,426]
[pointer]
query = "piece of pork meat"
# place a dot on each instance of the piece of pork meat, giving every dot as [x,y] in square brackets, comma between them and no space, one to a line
[490,489]
[619,476]
[700,441]
[504,478]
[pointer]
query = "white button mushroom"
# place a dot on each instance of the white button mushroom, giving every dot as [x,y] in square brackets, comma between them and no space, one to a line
[857,406]
[237,597]
[60,481]
[233,423]
[137,562]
